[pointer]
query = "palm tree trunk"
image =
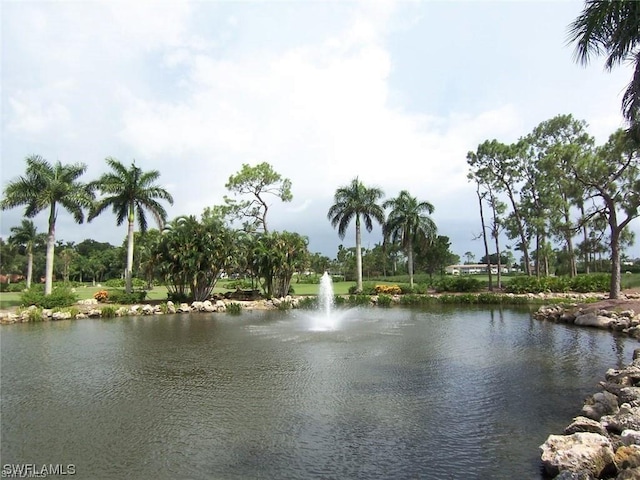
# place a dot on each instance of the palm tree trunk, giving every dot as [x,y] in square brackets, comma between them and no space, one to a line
[51,243]
[410,262]
[129,271]
[29,268]
[358,256]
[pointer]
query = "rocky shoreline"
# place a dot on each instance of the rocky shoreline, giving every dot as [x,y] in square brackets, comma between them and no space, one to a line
[619,319]
[624,320]
[91,308]
[604,441]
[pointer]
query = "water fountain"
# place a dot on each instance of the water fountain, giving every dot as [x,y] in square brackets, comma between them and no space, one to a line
[325,319]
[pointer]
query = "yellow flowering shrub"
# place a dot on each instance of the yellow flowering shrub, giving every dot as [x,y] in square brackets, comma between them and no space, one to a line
[101,295]
[388,289]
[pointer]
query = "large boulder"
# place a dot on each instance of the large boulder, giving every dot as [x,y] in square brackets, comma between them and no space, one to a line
[584,424]
[579,452]
[627,456]
[630,437]
[567,475]
[593,319]
[171,308]
[627,418]
[600,404]
[207,306]
[630,474]
[61,315]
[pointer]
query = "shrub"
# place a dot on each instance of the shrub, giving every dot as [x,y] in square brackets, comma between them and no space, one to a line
[234,308]
[60,297]
[308,303]
[242,284]
[339,301]
[177,297]
[384,300]
[119,283]
[35,315]
[368,288]
[13,287]
[358,300]
[123,298]
[284,305]
[108,311]
[101,295]
[458,284]
[413,299]
[387,290]
[596,282]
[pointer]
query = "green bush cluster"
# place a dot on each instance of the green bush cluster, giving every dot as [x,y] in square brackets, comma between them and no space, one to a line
[358,300]
[313,279]
[308,303]
[35,315]
[241,283]
[339,301]
[60,297]
[178,297]
[458,284]
[123,298]
[597,282]
[13,287]
[284,305]
[119,283]
[234,308]
[108,311]
[384,300]
[415,299]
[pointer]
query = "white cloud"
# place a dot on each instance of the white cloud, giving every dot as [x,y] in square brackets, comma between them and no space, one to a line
[195,89]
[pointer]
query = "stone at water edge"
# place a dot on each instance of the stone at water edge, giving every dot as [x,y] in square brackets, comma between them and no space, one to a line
[600,404]
[583,451]
[593,320]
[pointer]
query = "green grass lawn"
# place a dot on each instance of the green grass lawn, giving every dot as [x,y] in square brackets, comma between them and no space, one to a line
[12,299]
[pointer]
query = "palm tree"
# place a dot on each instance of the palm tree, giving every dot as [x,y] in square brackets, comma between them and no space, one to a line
[26,236]
[47,186]
[130,191]
[612,28]
[360,202]
[409,223]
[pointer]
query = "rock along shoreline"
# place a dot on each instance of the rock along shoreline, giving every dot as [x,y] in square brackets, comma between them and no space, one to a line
[604,440]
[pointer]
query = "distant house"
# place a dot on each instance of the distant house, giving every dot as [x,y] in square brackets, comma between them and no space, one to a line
[472,269]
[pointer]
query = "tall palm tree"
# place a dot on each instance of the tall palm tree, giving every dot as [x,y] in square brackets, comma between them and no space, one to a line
[612,28]
[130,191]
[409,223]
[26,236]
[45,186]
[360,202]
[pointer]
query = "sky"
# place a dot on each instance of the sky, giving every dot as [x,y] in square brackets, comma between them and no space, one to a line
[395,93]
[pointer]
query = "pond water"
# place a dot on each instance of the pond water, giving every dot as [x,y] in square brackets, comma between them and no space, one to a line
[386,393]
